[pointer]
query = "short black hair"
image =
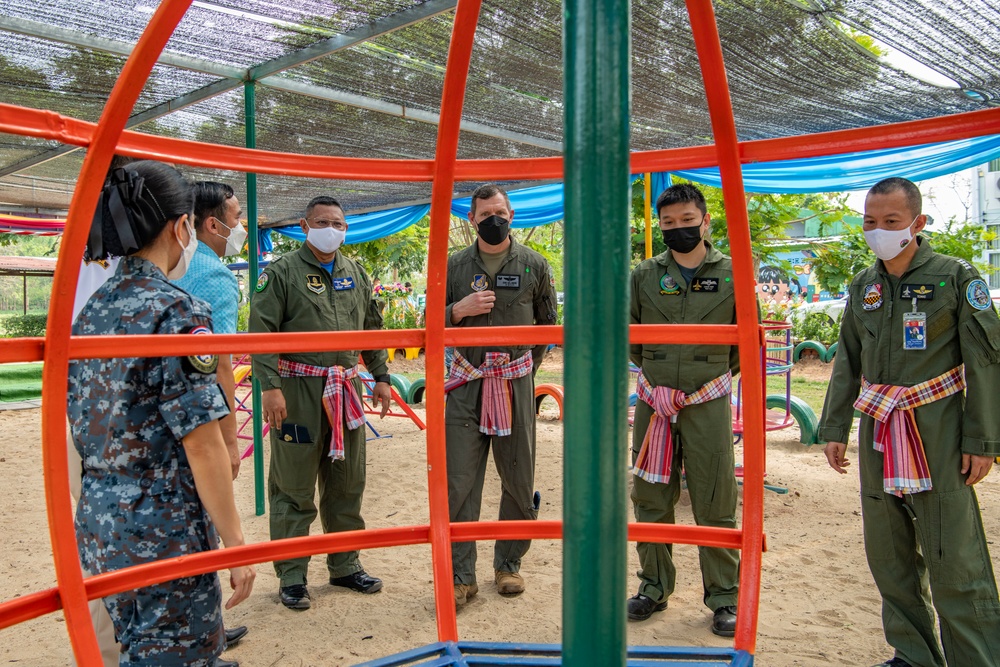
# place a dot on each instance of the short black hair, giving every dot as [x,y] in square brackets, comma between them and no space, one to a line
[323,200]
[210,201]
[135,206]
[680,193]
[912,193]
[772,274]
[488,191]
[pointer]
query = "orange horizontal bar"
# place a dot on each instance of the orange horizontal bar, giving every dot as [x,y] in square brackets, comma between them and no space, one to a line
[21,349]
[49,125]
[257,343]
[683,334]
[102,347]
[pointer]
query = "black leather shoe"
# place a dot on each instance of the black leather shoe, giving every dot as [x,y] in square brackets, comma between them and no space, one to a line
[724,621]
[219,662]
[295,597]
[641,607]
[893,662]
[234,635]
[361,582]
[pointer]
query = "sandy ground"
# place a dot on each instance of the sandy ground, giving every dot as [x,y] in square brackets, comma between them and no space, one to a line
[818,606]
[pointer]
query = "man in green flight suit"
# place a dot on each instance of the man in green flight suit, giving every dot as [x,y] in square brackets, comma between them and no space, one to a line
[682,417]
[311,400]
[494,282]
[914,322]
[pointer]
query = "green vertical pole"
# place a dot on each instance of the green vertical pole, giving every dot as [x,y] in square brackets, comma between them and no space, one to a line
[596,43]
[249,106]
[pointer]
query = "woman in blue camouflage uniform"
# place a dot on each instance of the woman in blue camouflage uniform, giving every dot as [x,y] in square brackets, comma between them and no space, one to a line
[156,476]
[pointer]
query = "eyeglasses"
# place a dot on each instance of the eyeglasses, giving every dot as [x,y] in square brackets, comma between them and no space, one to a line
[322,224]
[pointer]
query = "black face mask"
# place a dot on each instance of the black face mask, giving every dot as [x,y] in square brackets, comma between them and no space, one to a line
[494,229]
[682,239]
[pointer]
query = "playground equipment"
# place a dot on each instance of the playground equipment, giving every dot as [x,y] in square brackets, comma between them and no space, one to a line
[596,334]
[782,410]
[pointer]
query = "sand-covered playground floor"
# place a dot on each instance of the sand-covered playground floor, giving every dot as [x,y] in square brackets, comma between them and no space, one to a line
[818,607]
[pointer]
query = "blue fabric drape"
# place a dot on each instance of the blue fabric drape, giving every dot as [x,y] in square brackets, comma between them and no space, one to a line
[543,204]
[857,171]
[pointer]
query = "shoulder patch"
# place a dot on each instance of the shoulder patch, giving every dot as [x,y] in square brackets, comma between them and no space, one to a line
[262,281]
[978,294]
[202,363]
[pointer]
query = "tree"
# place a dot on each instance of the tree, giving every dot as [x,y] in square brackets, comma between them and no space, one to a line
[838,261]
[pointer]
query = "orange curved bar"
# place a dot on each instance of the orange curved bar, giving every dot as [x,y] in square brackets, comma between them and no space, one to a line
[50,125]
[31,606]
[463,35]
[54,374]
[713,71]
[549,389]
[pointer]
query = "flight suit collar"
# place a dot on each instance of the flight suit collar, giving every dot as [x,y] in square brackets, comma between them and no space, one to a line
[922,256]
[307,256]
[513,252]
[666,259]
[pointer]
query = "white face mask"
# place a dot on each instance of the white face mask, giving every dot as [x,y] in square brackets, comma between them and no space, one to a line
[187,253]
[886,244]
[237,237]
[327,239]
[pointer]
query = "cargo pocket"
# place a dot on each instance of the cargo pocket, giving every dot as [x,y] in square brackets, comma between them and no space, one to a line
[877,526]
[955,539]
[988,619]
[722,501]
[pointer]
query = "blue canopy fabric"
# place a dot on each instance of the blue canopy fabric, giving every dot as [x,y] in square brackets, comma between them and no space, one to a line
[543,204]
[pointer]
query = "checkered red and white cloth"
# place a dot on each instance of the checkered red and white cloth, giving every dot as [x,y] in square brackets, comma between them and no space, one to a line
[496,373]
[905,467]
[657,452]
[335,403]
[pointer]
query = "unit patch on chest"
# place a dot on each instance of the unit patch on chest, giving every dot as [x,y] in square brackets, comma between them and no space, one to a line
[668,285]
[871,298]
[705,285]
[340,284]
[480,282]
[508,281]
[922,292]
[315,283]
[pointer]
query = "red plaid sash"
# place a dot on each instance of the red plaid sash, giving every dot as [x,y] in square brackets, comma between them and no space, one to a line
[657,452]
[333,398]
[496,373]
[896,436]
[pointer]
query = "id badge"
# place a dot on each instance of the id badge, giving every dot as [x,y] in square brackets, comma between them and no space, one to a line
[915,331]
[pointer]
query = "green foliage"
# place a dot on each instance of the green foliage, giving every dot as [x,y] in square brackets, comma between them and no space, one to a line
[837,262]
[815,326]
[243,316]
[400,255]
[19,326]
[960,239]
[399,311]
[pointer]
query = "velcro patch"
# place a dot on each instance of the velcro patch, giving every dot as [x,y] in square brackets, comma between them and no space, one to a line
[340,284]
[920,292]
[508,281]
[705,285]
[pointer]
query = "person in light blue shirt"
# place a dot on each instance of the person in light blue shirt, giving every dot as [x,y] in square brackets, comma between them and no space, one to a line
[220,233]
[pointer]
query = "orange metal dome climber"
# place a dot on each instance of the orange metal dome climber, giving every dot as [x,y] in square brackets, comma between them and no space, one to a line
[596,335]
